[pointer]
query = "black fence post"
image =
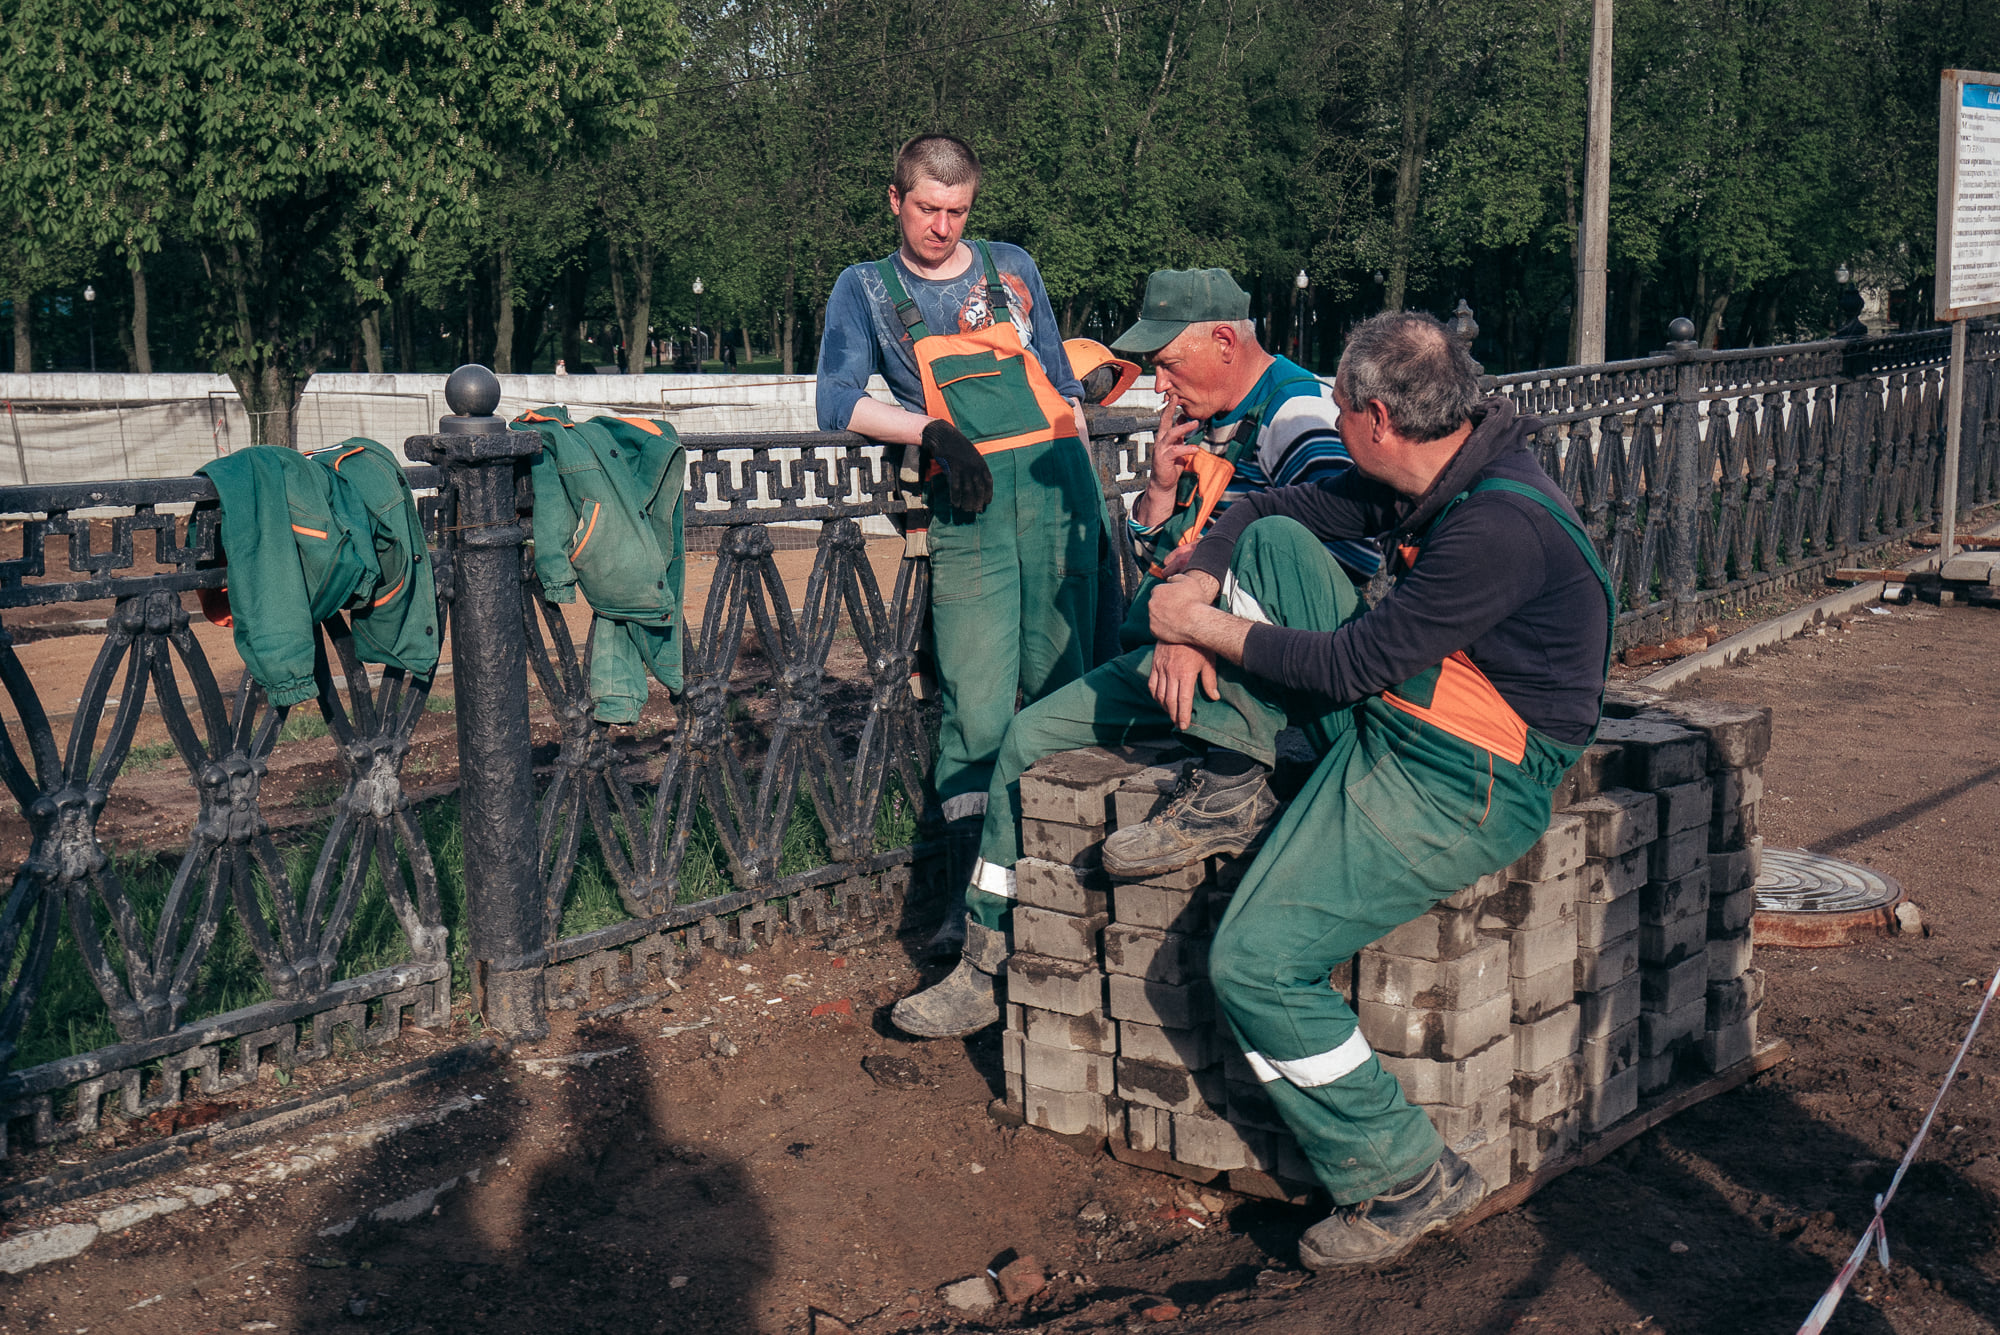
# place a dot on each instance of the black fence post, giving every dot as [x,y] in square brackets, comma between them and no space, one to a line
[1683,489]
[489,648]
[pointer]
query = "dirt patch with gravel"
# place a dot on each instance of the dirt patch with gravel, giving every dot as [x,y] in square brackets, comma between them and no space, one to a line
[674,1187]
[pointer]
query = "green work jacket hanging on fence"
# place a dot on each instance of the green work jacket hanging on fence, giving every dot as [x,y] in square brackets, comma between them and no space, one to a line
[608,519]
[307,536]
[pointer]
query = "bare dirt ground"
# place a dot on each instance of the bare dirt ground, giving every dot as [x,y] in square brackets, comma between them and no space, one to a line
[827,1170]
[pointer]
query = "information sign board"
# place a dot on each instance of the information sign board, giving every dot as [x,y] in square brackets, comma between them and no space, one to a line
[1968,232]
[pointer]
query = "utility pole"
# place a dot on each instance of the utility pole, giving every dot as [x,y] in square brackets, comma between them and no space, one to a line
[1596,222]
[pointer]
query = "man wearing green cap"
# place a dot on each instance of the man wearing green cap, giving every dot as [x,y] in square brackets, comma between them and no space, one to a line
[1237,421]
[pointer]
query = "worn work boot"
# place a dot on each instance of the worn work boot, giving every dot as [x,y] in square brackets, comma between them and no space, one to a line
[961,854]
[1386,1227]
[1208,814]
[969,997]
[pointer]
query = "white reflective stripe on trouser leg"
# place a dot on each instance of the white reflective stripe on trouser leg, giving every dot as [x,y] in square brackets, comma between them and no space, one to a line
[993,880]
[1322,1068]
[1240,602]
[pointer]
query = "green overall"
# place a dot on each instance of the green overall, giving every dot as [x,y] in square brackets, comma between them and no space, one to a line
[1398,815]
[1014,587]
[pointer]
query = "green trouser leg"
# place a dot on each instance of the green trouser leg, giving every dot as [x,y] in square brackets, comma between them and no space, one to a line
[1013,603]
[622,655]
[1302,586]
[1397,816]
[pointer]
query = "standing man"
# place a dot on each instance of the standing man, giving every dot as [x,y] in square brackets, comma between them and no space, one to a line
[988,414]
[1444,717]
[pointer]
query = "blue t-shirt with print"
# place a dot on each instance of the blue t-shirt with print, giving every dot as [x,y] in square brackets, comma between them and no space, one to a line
[864,337]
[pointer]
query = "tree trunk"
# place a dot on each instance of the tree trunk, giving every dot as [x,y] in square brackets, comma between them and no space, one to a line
[503,313]
[633,299]
[1711,332]
[371,339]
[24,346]
[1418,87]
[743,328]
[788,359]
[1635,329]
[142,347]
[572,318]
[406,334]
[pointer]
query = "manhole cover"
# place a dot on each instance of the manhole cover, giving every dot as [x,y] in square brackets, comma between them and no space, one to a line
[1809,899]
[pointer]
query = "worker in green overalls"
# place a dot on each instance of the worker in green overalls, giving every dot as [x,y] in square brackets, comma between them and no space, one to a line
[987,416]
[1444,717]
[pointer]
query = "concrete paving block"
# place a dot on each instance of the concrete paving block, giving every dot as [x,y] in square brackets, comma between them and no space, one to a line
[1675,855]
[1532,903]
[1480,1122]
[1601,1013]
[1736,736]
[121,1217]
[1548,1039]
[1726,1047]
[1139,798]
[1187,878]
[1477,893]
[1537,1144]
[1226,873]
[1660,1073]
[1734,999]
[1686,805]
[1663,944]
[1159,957]
[1196,1048]
[1599,923]
[1249,1104]
[1061,889]
[1671,987]
[1618,820]
[1599,767]
[1441,934]
[25,1251]
[1465,981]
[1208,1141]
[1547,1091]
[1015,1015]
[1175,1088]
[1066,1112]
[1657,754]
[1662,1032]
[1054,985]
[1235,1066]
[1728,955]
[1495,1165]
[1725,831]
[1072,845]
[1063,936]
[1141,905]
[1533,949]
[1066,1069]
[1092,1031]
[1558,850]
[1441,1034]
[1149,1128]
[1731,870]
[1604,880]
[1074,787]
[1170,1005]
[1015,1087]
[1604,1106]
[1731,913]
[1683,896]
[1746,822]
[1599,1059]
[1607,965]
[1341,979]
[1544,993]
[1738,787]
[1012,1047]
[1972,568]
[1460,1082]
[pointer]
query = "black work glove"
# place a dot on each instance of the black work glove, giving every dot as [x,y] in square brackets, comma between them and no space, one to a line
[967,478]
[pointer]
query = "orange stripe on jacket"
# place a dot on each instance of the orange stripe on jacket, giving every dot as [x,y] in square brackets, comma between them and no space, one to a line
[393,592]
[597,508]
[349,455]
[642,424]
[309,532]
[1470,708]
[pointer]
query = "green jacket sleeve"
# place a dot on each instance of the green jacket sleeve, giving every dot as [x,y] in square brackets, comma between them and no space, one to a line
[270,605]
[555,516]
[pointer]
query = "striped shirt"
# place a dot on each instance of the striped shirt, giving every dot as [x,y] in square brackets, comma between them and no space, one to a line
[1297,441]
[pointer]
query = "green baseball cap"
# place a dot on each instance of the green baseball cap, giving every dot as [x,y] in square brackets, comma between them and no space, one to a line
[1177,298]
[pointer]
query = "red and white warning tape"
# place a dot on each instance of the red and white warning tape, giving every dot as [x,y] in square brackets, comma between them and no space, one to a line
[1877,1232]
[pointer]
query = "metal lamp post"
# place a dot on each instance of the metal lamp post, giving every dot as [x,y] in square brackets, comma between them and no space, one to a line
[1301,283]
[90,308]
[698,358]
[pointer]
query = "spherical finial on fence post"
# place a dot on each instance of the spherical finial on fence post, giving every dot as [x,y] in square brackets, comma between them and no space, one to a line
[472,391]
[1680,334]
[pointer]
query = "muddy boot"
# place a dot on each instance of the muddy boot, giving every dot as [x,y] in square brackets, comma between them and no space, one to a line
[961,854]
[968,999]
[1386,1227]
[1208,814]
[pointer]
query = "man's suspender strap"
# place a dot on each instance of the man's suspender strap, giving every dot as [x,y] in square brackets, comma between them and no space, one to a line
[899,297]
[996,291]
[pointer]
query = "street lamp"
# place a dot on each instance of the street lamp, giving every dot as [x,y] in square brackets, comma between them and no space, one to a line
[1301,283]
[90,305]
[1842,274]
[699,333]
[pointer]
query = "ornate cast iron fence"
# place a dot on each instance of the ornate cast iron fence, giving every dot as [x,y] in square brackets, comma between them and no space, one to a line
[1710,478]
[1702,476]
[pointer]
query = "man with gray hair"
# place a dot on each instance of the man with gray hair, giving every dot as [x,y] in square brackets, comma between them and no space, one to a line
[1444,718]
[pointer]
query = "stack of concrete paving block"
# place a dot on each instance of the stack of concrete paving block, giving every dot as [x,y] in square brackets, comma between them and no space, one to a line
[1525,1014]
